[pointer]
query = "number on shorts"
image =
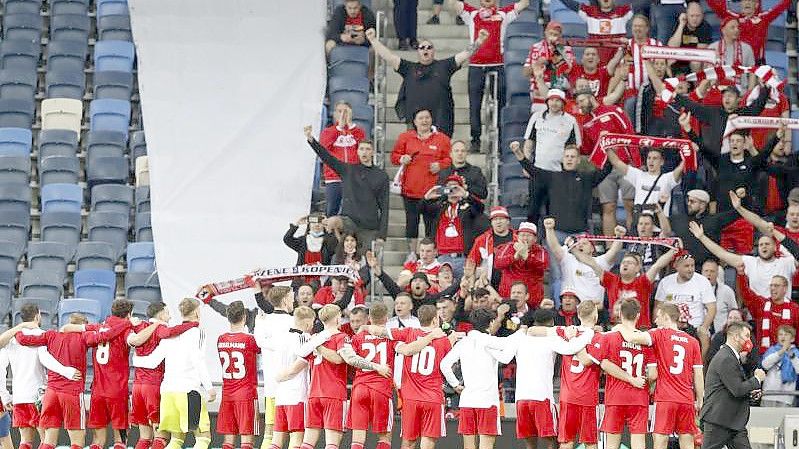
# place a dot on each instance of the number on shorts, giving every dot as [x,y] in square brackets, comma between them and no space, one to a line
[102,353]
[679,360]
[237,359]
[634,365]
[423,361]
[375,350]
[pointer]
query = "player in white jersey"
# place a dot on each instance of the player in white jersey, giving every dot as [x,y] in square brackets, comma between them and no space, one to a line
[535,365]
[28,370]
[266,325]
[479,395]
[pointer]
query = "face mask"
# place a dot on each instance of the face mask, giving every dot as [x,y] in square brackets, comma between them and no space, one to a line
[316,233]
[747,346]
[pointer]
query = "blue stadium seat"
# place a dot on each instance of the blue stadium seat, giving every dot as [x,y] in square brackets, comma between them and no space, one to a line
[49,256]
[523,29]
[140,309]
[508,171]
[66,56]
[15,169]
[142,287]
[59,169]
[15,227]
[351,90]
[112,7]
[529,15]
[348,60]
[58,7]
[778,60]
[520,43]
[7,284]
[14,197]
[62,198]
[16,112]
[113,84]
[41,284]
[91,308]
[515,114]
[57,142]
[100,285]
[48,308]
[95,256]
[559,12]
[516,85]
[17,84]
[107,170]
[10,253]
[144,228]
[65,84]
[138,147]
[109,227]
[515,57]
[141,257]
[61,227]
[22,7]
[112,198]
[113,55]
[142,199]
[363,116]
[74,27]
[109,115]
[20,55]
[106,144]
[23,27]
[114,27]
[15,142]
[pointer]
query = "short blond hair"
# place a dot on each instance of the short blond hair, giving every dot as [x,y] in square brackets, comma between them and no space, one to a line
[187,306]
[77,318]
[303,313]
[586,310]
[328,312]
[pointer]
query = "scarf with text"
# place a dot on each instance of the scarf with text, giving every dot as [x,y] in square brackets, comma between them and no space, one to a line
[633,143]
[749,122]
[680,54]
[724,74]
[668,242]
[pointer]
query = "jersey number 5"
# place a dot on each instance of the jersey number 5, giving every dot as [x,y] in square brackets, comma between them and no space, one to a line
[236,358]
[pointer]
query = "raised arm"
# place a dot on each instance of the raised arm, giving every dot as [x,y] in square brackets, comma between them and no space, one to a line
[634,335]
[392,59]
[455,6]
[616,162]
[616,246]
[662,262]
[727,257]
[521,5]
[464,56]
[676,39]
[329,160]
[588,260]
[552,239]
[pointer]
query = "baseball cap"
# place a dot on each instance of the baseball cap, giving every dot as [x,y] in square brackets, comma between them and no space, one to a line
[499,211]
[556,93]
[700,195]
[454,178]
[422,276]
[528,227]
[569,290]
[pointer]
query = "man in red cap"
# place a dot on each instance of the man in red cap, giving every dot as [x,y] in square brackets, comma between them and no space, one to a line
[548,65]
[732,50]
[753,22]
[523,260]
[455,225]
[605,21]
[482,252]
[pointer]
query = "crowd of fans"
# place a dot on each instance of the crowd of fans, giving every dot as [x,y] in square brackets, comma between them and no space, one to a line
[734,221]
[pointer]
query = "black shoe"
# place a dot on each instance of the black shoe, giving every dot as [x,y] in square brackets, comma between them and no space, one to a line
[403,45]
[459,21]
[414,44]
[433,20]
[475,146]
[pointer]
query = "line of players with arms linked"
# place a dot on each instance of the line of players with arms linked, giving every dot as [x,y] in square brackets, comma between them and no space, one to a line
[305,377]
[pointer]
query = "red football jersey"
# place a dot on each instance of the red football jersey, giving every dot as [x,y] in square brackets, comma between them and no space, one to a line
[111,361]
[676,356]
[630,357]
[422,380]
[238,354]
[378,350]
[329,380]
[639,289]
[156,375]
[579,384]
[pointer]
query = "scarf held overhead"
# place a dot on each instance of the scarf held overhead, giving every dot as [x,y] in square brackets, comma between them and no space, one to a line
[679,54]
[632,143]
[748,122]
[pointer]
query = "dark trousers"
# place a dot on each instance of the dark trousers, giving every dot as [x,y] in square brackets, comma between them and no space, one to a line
[405,18]
[716,437]
[413,209]
[477,81]
[332,198]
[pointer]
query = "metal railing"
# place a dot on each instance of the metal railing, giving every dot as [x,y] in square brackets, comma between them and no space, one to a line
[379,127]
[491,125]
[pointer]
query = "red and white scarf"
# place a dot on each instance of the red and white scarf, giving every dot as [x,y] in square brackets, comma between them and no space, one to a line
[680,54]
[633,142]
[748,122]
[737,58]
[765,338]
[767,74]
[668,242]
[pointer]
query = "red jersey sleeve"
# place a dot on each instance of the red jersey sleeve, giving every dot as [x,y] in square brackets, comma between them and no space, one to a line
[444,159]
[468,8]
[403,335]
[696,354]
[752,300]
[594,349]
[508,8]
[34,340]
[720,8]
[174,331]
[92,326]
[774,12]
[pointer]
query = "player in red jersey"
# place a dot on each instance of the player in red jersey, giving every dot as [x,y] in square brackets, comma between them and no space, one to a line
[421,392]
[238,354]
[146,397]
[678,369]
[62,404]
[626,403]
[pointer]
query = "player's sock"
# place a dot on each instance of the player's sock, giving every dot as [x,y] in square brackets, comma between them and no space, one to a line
[306,446]
[331,446]
[142,444]
[25,445]
[266,443]
[95,446]
[383,445]
[202,442]
[75,446]
[355,445]
[46,446]
[120,445]
[175,443]
[227,446]
[275,446]
[246,446]
[159,443]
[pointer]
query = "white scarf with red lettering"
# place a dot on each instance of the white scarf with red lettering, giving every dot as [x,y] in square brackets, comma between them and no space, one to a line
[749,122]
[633,142]
[680,54]
[668,242]
[767,74]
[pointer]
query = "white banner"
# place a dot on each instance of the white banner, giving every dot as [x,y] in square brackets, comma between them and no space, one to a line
[226,87]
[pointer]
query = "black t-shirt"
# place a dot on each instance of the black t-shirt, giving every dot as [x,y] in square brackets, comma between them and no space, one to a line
[703,34]
[427,86]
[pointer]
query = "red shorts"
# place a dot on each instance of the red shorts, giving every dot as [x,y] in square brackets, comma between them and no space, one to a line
[479,421]
[290,418]
[104,411]
[326,413]
[25,415]
[62,410]
[237,417]
[146,404]
[634,415]
[422,419]
[674,417]
[577,420]
[535,419]
[369,407]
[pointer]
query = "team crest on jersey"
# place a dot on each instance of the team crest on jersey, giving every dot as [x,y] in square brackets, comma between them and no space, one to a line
[605,26]
[345,140]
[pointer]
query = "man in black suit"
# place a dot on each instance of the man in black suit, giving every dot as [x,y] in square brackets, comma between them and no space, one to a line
[725,412]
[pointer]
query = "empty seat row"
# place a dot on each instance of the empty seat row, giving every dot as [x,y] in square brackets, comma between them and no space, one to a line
[64,113]
[89,256]
[67,55]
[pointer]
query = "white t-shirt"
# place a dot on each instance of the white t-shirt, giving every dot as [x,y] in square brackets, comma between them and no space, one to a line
[643,183]
[725,301]
[760,271]
[695,293]
[28,365]
[478,369]
[284,348]
[266,326]
[582,277]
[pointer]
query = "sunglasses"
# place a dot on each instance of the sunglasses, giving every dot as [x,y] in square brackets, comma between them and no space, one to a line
[425,47]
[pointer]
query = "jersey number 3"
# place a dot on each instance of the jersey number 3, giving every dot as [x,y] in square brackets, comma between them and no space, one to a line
[235,358]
